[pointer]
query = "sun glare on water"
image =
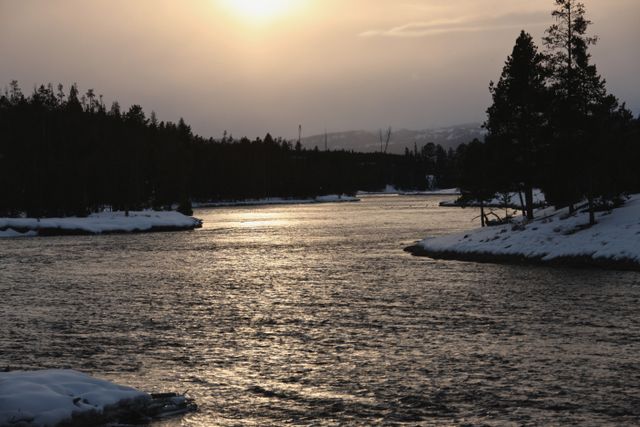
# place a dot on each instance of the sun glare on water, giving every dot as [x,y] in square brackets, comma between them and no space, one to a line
[260,10]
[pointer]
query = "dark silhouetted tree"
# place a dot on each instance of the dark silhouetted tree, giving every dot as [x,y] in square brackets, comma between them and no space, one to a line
[579,94]
[516,120]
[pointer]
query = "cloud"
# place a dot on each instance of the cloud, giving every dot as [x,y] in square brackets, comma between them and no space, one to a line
[460,25]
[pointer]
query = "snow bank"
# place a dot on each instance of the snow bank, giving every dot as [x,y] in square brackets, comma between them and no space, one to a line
[50,397]
[513,201]
[332,198]
[13,233]
[555,236]
[104,222]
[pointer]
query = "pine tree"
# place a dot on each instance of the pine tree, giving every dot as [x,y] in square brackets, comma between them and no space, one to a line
[73,103]
[517,117]
[579,94]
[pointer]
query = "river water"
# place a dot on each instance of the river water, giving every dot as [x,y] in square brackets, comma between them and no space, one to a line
[313,315]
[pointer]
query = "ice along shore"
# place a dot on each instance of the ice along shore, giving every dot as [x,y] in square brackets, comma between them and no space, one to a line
[555,238]
[99,223]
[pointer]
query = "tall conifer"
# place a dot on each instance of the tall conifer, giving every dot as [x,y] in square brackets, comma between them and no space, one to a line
[517,117]
[579,95]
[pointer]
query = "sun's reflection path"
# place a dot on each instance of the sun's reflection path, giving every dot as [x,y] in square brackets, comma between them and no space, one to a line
[313,315]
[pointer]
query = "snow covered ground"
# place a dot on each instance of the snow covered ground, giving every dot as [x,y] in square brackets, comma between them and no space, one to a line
[332,198]
[513,201]
[51,397]
[104,222]
[57,398]
[553,237]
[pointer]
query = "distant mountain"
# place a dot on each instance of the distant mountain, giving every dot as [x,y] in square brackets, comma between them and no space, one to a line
[368,141]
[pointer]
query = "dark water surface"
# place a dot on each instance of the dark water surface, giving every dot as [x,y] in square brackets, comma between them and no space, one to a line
[313,315]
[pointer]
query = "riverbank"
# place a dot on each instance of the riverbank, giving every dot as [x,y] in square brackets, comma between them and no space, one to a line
[441,192]
[555,238]
[99,223]
[392,191]
[331,198]
[512,201]
[69,398]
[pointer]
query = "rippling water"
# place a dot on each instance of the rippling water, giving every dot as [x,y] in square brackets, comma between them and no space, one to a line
[313,315]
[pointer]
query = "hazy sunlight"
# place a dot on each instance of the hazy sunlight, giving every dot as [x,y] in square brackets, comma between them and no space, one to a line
[260,10]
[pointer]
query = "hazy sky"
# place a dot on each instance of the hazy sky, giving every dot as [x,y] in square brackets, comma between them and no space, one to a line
[252,66]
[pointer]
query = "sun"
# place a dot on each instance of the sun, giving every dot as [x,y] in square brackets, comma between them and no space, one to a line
[260,10]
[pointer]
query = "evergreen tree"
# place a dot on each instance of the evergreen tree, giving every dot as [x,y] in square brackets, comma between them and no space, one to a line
[579,94]
[517,118]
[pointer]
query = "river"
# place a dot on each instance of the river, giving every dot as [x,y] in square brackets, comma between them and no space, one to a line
[314,315]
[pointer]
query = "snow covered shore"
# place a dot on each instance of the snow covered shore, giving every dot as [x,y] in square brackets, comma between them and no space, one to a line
[332,198]
[554,238]
[441,192]
[392,191]
[53,397]
[99,223]
[57,398]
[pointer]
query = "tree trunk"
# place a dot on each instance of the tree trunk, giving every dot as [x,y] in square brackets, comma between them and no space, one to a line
[482,213]
[522,206]
[528,194]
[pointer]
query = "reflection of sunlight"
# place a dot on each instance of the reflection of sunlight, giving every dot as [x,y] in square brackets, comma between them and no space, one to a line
[264,223]
[262,219]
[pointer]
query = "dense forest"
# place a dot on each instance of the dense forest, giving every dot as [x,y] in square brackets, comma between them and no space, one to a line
[554,126]
[63,153]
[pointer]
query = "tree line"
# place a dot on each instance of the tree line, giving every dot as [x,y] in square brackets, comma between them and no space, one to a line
[554,126]
[64,153]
